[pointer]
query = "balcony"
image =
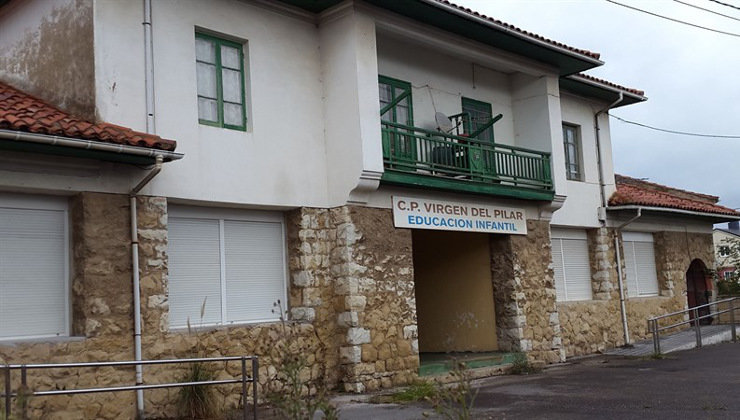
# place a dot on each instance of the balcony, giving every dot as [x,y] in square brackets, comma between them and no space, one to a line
[434,159]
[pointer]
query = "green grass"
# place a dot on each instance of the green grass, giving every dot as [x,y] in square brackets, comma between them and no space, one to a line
[418,391]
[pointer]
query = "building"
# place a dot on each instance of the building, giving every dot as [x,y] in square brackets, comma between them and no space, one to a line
[724,239]
[405,177]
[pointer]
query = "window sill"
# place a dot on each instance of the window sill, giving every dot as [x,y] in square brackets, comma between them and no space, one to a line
[216,327]
[40,340]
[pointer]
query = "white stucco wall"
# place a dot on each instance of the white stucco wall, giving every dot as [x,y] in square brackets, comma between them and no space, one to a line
[584,197]
[439,82]
[281,159]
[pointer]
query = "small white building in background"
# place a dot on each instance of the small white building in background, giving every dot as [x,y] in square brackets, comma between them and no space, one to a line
[405,178]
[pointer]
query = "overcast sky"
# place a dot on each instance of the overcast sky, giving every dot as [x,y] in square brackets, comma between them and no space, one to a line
[691,77]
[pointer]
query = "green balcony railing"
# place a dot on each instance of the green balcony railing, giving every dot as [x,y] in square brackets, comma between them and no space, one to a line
[436,159]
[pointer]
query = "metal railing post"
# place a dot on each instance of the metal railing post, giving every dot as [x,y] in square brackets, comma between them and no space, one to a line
[651,328]
[7,391]
[244,388]
[732,320]
[697,328]
[24,391]
[255,379]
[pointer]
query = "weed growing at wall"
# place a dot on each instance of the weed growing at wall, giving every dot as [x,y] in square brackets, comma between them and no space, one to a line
[197,402]
[522,366]
[455,401]
[289,390]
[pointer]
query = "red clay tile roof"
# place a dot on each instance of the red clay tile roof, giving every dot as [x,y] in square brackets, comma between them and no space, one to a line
[587,53]
[22,112]
[608,83]
[631,191]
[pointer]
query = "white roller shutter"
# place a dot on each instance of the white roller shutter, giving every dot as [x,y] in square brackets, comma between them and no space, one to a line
[255,267]
[571,265]
[639,261]
[234,258]
[194,271]
[34,270]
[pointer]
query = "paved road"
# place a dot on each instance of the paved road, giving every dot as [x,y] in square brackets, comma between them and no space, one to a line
[693,384]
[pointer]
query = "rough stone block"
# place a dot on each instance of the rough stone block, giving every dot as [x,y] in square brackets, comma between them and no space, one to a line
[410,331]
[346,286]
[358,336]
[303,279]
[303,314]
[348,319]
[355,303]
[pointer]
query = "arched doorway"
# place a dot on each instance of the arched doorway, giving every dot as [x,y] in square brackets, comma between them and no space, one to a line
[698,288]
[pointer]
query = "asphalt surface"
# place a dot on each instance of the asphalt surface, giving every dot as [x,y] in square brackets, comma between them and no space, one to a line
[693,384]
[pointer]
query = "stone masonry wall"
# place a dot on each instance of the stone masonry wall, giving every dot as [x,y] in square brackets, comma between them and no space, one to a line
[596,325]
[524,294]
[385,305]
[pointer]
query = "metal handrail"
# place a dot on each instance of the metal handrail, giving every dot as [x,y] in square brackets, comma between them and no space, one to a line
[8,393]
[655,329]
[426,152]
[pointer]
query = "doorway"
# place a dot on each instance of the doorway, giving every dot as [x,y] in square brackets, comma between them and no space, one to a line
[454,293]
[698,289]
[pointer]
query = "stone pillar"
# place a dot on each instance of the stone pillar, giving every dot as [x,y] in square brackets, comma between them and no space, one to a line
[524,294]
[101,284]
[603,258]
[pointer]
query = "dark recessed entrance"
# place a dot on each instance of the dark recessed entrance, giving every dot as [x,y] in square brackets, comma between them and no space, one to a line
[698,288]
[454,296]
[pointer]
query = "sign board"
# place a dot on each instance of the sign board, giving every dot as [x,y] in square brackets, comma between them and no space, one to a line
[417,213]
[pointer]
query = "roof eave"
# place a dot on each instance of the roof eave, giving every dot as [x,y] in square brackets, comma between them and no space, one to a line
[717,217]
[593,89]
[458,21]
[90,149]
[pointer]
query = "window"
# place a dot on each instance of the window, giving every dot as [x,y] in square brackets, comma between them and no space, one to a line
[398,92]
[724,250]
[395,107]
[220,71]
[571,265]
[727,275]
[639,262]
[233,262]
[34,267]
[572,144]
[480,113]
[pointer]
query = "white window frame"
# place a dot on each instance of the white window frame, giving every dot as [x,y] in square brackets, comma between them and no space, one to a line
[222,215]
[564,234]
[639,237]
[55,203]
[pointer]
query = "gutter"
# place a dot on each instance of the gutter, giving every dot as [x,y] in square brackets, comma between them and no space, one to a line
[587,81]
[53,140]
[509,31]
[676,211]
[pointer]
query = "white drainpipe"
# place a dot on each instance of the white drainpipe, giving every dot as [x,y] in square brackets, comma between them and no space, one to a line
[623,308]
[150,128]
[599,163]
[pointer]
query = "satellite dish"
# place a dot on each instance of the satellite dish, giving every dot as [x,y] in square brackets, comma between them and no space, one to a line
[443,122]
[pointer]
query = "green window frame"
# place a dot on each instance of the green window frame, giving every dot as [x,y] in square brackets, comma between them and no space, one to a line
[479,113]
[220,82]
[390,91]
[572,145]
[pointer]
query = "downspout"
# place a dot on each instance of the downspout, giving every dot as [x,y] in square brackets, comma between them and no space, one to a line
[150,128]
[136,284]
[622,306]
[602,219]
[148,66]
